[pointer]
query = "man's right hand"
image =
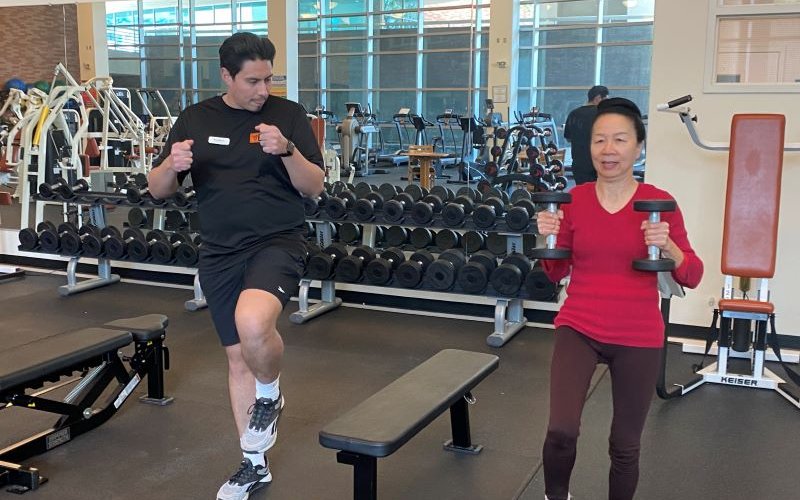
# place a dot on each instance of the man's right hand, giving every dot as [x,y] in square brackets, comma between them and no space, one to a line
[181,155]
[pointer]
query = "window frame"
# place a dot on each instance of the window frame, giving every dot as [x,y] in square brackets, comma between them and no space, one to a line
[718,12]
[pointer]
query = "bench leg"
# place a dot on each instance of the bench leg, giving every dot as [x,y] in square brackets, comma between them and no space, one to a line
[155,371]
[365,474]
[459,422]
[21,479]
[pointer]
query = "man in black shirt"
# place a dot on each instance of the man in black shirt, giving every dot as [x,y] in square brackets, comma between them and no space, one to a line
[578,131]
[251,157]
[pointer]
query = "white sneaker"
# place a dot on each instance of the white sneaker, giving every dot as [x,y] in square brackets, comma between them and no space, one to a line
[246,480]
[262,431]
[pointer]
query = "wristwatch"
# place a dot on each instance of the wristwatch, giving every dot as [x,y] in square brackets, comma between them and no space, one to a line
[289,149]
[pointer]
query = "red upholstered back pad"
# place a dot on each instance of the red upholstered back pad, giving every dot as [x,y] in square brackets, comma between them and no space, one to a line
[752,202]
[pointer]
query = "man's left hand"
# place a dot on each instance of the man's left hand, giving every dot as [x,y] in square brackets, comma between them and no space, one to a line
[271,139]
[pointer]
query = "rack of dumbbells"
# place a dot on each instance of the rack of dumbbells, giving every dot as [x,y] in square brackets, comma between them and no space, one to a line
[170,238]
[438,242]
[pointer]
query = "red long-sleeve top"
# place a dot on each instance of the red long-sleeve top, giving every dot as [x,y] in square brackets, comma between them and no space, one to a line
[607,299]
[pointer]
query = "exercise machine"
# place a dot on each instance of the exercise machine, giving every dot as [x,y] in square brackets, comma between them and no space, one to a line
[743,324]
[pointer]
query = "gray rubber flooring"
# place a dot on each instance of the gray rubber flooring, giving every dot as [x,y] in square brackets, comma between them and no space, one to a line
[716,443]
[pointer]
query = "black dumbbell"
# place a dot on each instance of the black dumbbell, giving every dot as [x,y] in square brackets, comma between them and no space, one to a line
[362,189]
[29,238]
[518,217]
[444,193]
[474,276]
[389,191]
[174,220]
[139,250]
[337,206]
[497,243]
[187,254]
[455,212]
[520,194]
[184,198]
[409,274]
[321,266]
[311,206]
[441,274]
[163,251]
[396,236]
[447,239]
[62,189]
[138,217]
[349,233]
[422,211]
[137,193]
[415,191]
[365,208]
[194,221]
[468,192]
[553,201]
[422,237]
[350,268]
[538,285]
[509,276]
[394,210]
[50,241]
[94,245]
[71,242]
[654,262]
[486,214]
[473,241]
[379,270]
[117,248]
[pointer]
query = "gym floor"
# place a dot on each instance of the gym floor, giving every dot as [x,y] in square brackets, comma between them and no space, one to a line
[718,442]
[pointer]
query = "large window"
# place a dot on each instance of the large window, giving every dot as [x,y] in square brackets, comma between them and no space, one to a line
[567,46]
[425,55]
[172,45]
[755,46]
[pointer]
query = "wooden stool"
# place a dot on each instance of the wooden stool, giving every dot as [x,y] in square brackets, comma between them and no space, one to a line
[425,155]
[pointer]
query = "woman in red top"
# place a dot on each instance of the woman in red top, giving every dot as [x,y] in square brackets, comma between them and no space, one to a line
[611,314]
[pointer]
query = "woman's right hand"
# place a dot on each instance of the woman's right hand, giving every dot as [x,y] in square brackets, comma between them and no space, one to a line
[549,223]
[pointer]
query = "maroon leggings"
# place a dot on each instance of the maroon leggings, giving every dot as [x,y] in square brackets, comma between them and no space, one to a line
[634,371]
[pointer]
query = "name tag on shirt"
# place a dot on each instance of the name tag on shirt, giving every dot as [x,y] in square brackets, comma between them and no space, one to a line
[221,141]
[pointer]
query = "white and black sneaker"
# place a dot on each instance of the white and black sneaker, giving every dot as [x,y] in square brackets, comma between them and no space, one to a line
[246,480]
[262,431]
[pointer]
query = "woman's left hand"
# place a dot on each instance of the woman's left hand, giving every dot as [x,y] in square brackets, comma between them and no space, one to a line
[656,234]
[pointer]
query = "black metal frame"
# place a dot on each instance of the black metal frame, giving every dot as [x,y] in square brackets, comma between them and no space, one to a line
[79,416]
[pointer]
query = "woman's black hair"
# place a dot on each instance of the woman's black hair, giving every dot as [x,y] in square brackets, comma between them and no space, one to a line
[244,46]
[625,107]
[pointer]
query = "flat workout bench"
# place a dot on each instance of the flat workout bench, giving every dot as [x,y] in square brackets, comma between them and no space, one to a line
[390,418]
[27,364]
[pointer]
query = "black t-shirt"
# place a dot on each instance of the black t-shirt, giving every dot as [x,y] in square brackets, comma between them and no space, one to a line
[578,131]
[244,195]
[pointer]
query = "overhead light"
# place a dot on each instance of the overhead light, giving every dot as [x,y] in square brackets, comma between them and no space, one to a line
[630,3]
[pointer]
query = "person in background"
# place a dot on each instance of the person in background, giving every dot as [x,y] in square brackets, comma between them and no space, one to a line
[577,130]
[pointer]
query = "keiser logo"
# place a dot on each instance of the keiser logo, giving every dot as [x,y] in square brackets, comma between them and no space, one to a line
[739,381]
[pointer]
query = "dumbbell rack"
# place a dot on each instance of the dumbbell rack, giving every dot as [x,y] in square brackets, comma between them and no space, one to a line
[509,316]
[104,275]
[96,202]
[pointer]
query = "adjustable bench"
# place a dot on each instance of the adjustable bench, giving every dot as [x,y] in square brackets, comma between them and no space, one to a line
[390,418]
[28,364]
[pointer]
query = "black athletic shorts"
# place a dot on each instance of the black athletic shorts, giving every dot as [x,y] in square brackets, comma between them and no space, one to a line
[274,266]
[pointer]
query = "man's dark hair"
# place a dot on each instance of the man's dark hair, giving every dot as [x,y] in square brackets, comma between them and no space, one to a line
[597,90]
[625,107]
[244,46]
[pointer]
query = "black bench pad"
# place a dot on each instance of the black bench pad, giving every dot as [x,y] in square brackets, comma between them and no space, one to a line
[147,327]
[30,362]
[387,420]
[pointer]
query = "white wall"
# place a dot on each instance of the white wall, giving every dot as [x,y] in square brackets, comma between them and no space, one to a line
[697,178]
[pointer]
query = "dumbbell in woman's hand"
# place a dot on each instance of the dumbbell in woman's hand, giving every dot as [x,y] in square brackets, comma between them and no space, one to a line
[654,262]
[553,201]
